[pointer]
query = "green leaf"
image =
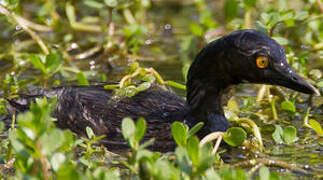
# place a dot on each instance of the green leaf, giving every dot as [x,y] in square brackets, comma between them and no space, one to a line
[51,142]
[1,126]
[195,129]
[249,3]
[193,150]
[277,135]
[290,134]
[53,61]
[235,136]
[185,69]
[89,132]
[264,173]
[111,86]
[182,160]
[315,74]
[316,127]
[143,86]
[140,129]
[212,175]
[320,84]
[281,40]
[128,128]
[93,4]
[133,67]
[261,27]
[36,61]
[131,91]
[56,160]
[82,80]
[233,105]
[288,106]
[196,29]
[176,85]
[111,3]
[300,16]
[179,133]
[231,9]
[187,43]
[15,143]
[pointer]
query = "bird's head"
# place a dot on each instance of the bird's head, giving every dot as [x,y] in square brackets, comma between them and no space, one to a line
[257,58]
[245,56]
[241,56]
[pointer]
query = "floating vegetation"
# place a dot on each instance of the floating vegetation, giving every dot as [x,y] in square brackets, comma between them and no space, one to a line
[275,133]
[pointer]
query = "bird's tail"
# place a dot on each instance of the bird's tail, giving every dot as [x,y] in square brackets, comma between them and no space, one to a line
[17,105]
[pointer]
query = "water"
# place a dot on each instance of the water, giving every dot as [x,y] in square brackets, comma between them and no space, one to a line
[163,46]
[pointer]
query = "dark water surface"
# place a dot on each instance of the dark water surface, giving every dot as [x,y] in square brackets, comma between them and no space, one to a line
[163,45]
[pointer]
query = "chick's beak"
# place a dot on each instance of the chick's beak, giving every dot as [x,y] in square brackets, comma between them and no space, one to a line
[286,76]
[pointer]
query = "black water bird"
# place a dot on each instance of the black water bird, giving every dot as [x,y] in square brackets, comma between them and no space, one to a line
[241,56]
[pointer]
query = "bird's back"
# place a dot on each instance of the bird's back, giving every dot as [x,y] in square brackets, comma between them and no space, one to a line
[82,106]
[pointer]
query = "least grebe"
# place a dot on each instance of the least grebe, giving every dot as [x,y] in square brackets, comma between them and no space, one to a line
[241,56]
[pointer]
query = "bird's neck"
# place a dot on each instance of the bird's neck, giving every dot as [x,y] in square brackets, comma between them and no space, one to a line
[206,106]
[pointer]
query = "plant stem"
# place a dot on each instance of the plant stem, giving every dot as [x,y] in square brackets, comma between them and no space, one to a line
[248,18]
[269,162]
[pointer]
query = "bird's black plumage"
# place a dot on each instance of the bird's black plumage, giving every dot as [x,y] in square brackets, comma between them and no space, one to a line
[224,62]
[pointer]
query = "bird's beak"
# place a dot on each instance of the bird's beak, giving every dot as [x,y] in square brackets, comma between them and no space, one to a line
[286,76]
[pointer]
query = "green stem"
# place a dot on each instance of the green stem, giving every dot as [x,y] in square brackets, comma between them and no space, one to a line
[254,128]
[248,18]
[13,122]
[128,16]
[273,108]
[306,124]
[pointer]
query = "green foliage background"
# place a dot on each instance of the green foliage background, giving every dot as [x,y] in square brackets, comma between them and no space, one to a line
[45,43]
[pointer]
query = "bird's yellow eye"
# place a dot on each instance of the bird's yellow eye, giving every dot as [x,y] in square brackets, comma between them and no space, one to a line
[262,62]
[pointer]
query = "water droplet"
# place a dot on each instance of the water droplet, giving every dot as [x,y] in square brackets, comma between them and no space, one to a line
[148,42]
[165,114]
[92,62]
[18,27]
[74,45]
[82,56]
[168,27]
